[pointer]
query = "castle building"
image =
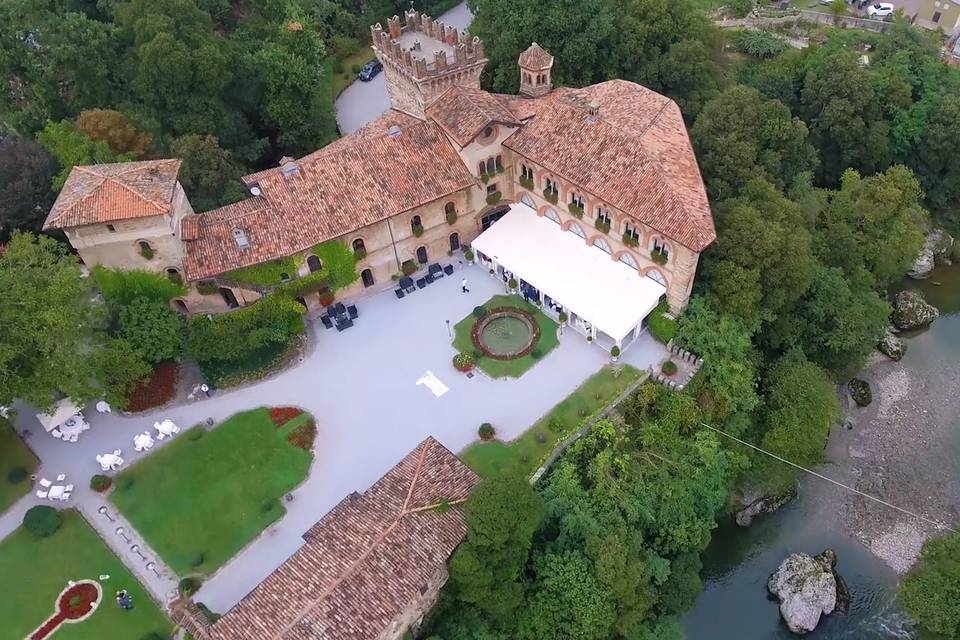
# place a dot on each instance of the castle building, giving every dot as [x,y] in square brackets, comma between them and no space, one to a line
[609,165]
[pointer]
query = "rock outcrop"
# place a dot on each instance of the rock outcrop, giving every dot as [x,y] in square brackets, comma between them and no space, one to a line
[757,504]
[911,311]
[891,346]
[860,391]
[937,249]
[807,588]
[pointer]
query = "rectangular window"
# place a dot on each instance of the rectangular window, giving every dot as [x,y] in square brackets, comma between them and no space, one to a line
[491,188]
[936,16]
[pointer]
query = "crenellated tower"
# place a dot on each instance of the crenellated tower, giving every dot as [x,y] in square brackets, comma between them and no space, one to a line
[423,57]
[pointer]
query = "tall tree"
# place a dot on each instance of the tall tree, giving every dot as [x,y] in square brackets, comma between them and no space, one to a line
[115,129]
[51,336]
[502,514]
[26,173]
[930,592]
[72,148]
[210,174]
[740,136]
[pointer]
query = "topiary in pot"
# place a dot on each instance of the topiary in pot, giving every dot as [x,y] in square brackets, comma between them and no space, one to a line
[463,362]
[468,255]
[101,482]
[486,431]
[615,352]
[668,368]
[479,312]
[189,585]
[563,317]
[512,283]
[196,559]
[42,521]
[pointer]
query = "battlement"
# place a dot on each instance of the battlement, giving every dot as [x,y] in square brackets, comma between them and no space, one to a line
[423,48]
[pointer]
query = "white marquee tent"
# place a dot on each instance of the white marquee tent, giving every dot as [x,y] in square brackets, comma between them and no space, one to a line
[586,280]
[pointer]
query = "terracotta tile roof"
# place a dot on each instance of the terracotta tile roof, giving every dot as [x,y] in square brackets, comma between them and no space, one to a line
[635,154]
[118,191]
[366,560]
[354,182]
[464,112]
[535,57]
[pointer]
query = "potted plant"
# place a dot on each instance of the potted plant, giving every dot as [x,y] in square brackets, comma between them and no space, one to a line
[615,353]
[589,338]
[551,196]
[575,209]
[526,183]
[468,255]
[463,362]
[669,368]
[494,198]
[658,257]
[563,318]
[486,431]
[408,267]
[326,298]
[512,285]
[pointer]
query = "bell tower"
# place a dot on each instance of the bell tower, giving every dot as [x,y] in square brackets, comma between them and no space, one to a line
[535,65]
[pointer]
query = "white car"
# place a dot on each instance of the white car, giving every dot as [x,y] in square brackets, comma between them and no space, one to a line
[880,10]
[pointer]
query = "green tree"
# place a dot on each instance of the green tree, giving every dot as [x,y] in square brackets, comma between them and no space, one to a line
[72,148]
[930,592]
[740,136]
[763,258]
[26,172]
[51,331]
[153,329]
[567,597]
[121,287]
[486,570]
[233,336]
[210,175]
[934,155]
[727,381]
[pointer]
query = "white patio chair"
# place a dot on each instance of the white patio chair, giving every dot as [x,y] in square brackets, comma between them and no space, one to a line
[61,477]
[64,496]
[45,483]
[41,494]
[68,488]
[56,434]
[104,465]
[117,452]
[74,437]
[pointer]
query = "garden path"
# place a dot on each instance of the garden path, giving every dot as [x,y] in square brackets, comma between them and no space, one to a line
[361,387]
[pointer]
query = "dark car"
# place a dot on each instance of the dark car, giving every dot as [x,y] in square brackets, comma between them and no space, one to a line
[370,70]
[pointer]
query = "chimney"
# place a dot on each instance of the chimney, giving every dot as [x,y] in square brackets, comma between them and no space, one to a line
[593,111]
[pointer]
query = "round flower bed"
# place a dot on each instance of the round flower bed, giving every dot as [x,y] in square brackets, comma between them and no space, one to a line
[489,322]
[75,603]
[668,368]
[463,362]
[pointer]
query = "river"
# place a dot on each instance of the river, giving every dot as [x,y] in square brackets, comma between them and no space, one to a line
[923,407]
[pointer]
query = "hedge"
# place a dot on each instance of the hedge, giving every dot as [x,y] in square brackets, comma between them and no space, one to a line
[121,287]
[232,336]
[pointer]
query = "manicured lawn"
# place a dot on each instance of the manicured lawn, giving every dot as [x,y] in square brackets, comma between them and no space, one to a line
[36,571]
[13,454]
[507,368]
[524,455]
[213,492]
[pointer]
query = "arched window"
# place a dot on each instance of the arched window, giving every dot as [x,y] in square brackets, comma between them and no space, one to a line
[359,249]
[656,276]
[575,229]
[454,241]
[174,275]
[498,163]
[146,251]
[601,244]
[422,255]
[527,200]
[628,260]
[449,208]
[366,276]
[551,214]
[314,264]
[416,225]
[658,245]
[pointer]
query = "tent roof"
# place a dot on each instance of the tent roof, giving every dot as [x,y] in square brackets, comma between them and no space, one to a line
[606,293]
[62,411]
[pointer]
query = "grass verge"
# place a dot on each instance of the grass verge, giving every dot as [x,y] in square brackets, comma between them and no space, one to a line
[35,571]
[203,497]
[526,453]
[14,454]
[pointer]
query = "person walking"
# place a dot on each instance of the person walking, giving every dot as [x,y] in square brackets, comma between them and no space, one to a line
[463,286]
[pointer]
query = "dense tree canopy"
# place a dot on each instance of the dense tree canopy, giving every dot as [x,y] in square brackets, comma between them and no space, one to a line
[930,592]
[26,173]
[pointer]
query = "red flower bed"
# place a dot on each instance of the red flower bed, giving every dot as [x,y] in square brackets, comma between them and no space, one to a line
[282,415]
[155,391]
[87,594]
[303,436]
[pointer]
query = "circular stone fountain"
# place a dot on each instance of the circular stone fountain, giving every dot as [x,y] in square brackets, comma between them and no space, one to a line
[505,333]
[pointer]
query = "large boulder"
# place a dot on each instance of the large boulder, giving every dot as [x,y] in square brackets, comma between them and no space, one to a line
[806,588]
[891,346]
[911,311]
[860,391]
[755,504]
[937,249]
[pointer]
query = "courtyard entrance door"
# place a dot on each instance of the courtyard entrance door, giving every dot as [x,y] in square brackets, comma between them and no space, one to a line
[454,241]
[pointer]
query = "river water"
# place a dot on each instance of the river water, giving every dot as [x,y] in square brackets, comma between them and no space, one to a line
[736,565]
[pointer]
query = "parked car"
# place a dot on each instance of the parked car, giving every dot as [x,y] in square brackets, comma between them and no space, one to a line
[880,10]
[370,70]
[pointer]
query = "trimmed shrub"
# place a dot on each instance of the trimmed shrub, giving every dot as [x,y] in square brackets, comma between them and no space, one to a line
[195,434]
[409,267]
[486,431]
[479,312]
[468,255]
[512,283]
[189,585]
[563,316]
[615,351]
[662,327]
[477,354]
[42,521]
[463,362]
[101,482]
[668,368]
[536,354]
[17,475]
[196,559]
